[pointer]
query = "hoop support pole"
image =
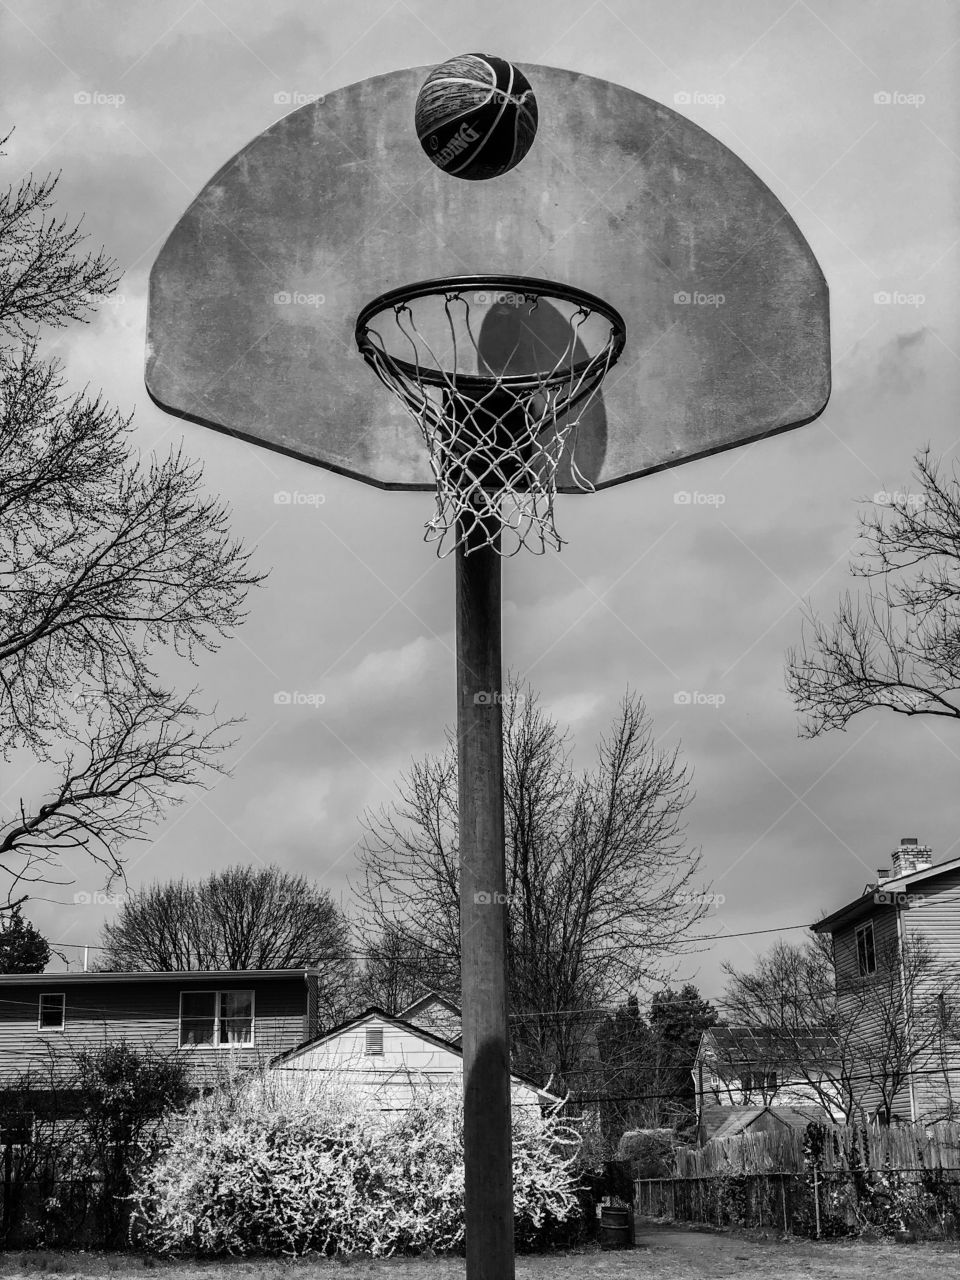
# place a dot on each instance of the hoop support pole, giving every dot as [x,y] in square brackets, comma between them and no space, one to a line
[483,914]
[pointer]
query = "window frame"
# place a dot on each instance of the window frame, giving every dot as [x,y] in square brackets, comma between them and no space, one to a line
[52,995]
[862,933]
[218,992]
[760,1082]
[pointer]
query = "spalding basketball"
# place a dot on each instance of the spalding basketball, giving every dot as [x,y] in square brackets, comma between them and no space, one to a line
[476,116]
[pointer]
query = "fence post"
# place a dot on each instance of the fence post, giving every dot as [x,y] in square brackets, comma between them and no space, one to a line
[816,1200]
[783,1202]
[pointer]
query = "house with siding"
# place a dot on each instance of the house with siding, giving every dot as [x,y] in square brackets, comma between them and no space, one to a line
[208,1019]
[913,900]
[747,1078]
[392,1057]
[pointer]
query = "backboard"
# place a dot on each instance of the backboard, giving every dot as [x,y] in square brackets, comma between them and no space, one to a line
[254,296]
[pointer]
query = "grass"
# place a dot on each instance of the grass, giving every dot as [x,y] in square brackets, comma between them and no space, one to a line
[661,1254]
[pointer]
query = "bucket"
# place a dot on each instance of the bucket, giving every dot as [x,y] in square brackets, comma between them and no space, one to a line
[616,1228]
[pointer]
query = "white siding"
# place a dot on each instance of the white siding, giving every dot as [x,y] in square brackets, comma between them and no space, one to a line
[408,1062]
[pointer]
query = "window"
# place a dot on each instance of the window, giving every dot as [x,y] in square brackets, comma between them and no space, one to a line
[52,1011]
[216,1019]
[763,1082]
[16,1128]
[374,1043]
[866,950]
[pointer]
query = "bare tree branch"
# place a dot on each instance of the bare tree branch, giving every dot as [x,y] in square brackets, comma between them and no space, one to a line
[898,645]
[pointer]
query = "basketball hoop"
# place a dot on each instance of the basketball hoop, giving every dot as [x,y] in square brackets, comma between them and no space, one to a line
[497,394]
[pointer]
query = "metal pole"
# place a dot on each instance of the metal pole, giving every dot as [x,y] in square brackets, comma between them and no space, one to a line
[483,919]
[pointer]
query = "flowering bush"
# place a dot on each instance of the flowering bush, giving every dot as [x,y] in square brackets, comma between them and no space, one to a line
[287,1165]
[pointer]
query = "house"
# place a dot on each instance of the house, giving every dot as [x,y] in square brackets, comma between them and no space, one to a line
[913,899]
[392,1057]
[747,1076]
[435,1013]
[717,1123]
[208,1019]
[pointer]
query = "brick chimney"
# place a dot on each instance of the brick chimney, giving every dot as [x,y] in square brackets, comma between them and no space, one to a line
[911,856]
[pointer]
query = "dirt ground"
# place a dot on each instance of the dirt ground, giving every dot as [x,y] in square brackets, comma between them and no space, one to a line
[662,1253]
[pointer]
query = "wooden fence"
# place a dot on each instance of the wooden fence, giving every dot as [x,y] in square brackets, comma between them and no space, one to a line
[853,1175]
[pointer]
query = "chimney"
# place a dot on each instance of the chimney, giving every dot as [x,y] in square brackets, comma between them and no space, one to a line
[883,873]
[911,856]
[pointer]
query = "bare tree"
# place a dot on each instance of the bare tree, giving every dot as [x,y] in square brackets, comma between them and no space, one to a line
[239,918]
[850,1042]
[107,561]
[598,872]
[399,967]
[897,645]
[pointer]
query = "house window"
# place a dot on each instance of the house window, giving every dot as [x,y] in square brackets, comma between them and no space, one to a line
[217,1019]
[763,1082]
[17,1128]
[374,1041]
[866,950]
[52,1011]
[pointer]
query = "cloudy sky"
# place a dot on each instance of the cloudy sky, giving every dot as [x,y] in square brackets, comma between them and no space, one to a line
[139,104]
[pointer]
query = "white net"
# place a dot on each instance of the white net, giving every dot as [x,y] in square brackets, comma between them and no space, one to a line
[499,380]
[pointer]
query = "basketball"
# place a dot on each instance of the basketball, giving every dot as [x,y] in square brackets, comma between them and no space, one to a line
[476,116]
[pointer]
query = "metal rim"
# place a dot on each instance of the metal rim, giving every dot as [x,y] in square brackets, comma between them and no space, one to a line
[539,289]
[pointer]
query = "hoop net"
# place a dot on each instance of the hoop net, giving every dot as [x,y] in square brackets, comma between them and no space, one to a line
[498,373]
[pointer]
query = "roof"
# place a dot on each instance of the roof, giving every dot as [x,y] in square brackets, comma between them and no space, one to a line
[375,1011]
[101,978]
[867,902]
[431,997]
[763,1045]
[717,1123]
